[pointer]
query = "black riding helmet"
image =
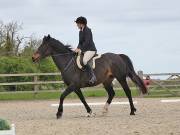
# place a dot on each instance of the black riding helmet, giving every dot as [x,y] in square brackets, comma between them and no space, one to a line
[81,20]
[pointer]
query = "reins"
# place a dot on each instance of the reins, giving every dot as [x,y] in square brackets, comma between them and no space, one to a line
[60,54]
[69,62]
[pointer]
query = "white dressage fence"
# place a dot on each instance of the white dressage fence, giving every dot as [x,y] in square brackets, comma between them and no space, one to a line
[8,132]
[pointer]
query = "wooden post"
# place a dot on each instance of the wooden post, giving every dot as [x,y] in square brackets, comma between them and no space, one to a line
[36,87]
[140,74]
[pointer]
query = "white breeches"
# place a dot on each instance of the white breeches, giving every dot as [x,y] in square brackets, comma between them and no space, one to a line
[87,56]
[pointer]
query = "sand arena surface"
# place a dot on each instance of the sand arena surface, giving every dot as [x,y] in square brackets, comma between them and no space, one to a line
[38,118]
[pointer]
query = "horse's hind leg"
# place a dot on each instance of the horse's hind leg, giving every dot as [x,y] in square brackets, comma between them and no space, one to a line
[127,90]
[81,97]
[109,88]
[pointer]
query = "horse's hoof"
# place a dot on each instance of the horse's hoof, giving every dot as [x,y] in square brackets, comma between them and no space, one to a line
[105,109]
[132,113]
[59,115]
[105,112]
[91,114]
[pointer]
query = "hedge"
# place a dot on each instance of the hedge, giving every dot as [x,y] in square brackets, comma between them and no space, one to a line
[4,125]
[12,65]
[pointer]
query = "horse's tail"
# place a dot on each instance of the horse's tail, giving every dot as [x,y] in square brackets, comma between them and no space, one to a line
[132,74]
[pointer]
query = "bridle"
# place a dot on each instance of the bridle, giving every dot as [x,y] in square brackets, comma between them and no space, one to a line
[62,54]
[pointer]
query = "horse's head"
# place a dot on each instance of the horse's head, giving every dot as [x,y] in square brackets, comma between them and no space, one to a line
[44,49]
[50,46]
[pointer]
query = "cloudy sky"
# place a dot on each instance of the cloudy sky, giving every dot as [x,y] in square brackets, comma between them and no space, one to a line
[146,30]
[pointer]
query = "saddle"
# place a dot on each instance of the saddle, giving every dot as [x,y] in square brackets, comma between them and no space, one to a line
[92,61]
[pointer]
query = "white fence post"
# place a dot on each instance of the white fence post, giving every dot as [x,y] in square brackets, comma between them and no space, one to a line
[140,74]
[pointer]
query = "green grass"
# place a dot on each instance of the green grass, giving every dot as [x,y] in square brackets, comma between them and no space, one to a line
[98,92]
[88,92]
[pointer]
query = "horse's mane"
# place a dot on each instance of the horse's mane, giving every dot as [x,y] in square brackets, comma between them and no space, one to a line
[58,45]
[68,47]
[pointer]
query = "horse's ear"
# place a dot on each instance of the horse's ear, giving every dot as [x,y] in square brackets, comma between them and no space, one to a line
[48,37]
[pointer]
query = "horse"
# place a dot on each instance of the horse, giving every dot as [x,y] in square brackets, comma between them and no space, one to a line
[108,67]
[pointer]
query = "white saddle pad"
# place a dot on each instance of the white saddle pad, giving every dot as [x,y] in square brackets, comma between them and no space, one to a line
[92,61]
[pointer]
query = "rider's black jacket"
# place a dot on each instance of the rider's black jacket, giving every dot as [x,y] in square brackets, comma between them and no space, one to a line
[86,40]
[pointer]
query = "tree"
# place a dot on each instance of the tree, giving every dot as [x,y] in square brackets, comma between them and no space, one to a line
[10,38]
[30,46]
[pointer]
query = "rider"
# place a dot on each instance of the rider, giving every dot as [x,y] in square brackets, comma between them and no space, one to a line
[86,46]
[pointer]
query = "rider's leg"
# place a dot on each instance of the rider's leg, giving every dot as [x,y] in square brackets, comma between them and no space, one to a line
[87,56]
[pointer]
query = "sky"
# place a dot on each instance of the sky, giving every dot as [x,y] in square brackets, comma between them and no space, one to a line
[148,31]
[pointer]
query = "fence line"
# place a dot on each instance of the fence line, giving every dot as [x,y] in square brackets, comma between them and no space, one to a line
[30,74]
[163,74]
[163,83]
[35,81]
[30,83]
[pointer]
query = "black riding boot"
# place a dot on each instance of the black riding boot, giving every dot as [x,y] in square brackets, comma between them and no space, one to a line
[91,74]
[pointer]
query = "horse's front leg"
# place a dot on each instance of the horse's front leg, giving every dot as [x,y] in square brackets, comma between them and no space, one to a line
[63,95]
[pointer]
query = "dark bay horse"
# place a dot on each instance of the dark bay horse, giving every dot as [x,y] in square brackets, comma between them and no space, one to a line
[108,67]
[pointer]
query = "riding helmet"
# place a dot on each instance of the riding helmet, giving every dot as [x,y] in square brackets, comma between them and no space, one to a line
[81,20]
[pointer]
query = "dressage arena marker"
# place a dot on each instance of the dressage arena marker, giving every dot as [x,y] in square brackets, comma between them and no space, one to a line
[93,104]
[170,100]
